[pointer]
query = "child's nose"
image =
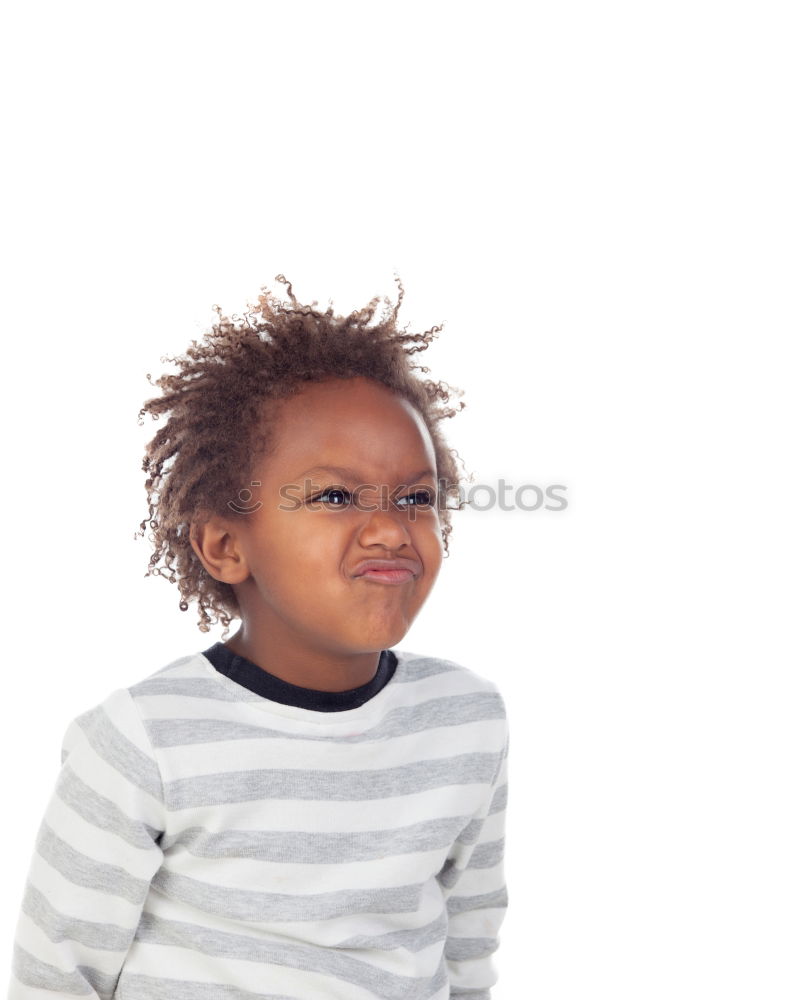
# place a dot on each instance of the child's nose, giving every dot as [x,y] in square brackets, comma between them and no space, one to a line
[384,524]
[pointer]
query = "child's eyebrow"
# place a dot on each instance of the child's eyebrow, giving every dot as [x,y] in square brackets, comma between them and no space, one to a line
[350,475]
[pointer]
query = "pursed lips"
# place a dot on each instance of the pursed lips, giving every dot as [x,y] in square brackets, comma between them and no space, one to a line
[399,570]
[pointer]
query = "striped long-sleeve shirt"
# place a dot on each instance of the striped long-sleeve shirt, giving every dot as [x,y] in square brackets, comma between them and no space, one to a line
[211,837]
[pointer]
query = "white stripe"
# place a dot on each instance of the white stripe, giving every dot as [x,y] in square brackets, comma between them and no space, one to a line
[254,754]
[297,879]
[309,815]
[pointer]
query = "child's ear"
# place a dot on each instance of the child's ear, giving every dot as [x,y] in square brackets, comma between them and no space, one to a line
[216,545]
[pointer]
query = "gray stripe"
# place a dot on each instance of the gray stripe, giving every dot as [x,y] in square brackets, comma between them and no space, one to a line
[418,668]
[487,900]
[467,949]
[115,748]
[252,905]
[191,687]
[320,959]
[469,834]
[61,927]
[458,994]
[82,870]
[499,799]
[451,710]
[330,786]
[413,939]
[101,812]
[136,987]
[301,848]
[487,855]
[84,982]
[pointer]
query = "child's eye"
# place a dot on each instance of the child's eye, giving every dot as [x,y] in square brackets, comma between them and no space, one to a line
[341,496]
[420,498]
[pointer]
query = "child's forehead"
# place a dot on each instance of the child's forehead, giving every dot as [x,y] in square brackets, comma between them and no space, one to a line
[347,474]
[346,409]
[360,429]
[388,450]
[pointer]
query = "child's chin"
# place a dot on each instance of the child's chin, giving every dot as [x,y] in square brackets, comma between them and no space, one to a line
[383,635]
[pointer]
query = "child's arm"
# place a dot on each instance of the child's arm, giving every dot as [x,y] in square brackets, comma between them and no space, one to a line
[477,898]
[96,853]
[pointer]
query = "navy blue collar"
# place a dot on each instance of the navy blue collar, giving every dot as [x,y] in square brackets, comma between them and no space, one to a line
[250,676]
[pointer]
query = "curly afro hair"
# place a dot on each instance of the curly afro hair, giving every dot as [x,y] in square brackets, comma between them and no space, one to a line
[218,426]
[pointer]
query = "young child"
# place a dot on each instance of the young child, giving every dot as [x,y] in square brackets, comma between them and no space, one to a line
[304,811]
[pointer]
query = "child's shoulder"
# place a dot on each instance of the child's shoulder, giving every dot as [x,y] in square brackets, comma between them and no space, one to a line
[422,666]
[189,676]
[184,675]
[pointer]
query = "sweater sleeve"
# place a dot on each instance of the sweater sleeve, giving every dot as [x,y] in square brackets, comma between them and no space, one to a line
[96,852]
[478,897]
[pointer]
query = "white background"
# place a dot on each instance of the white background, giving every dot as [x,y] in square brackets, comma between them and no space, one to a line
[598,201]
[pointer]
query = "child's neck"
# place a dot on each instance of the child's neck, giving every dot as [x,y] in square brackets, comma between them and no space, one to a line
[319,670]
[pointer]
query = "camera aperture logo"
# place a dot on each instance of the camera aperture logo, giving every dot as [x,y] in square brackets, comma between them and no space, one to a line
[414,500]
[244,505]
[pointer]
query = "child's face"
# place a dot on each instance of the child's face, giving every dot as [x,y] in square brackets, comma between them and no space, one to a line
[303,589]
